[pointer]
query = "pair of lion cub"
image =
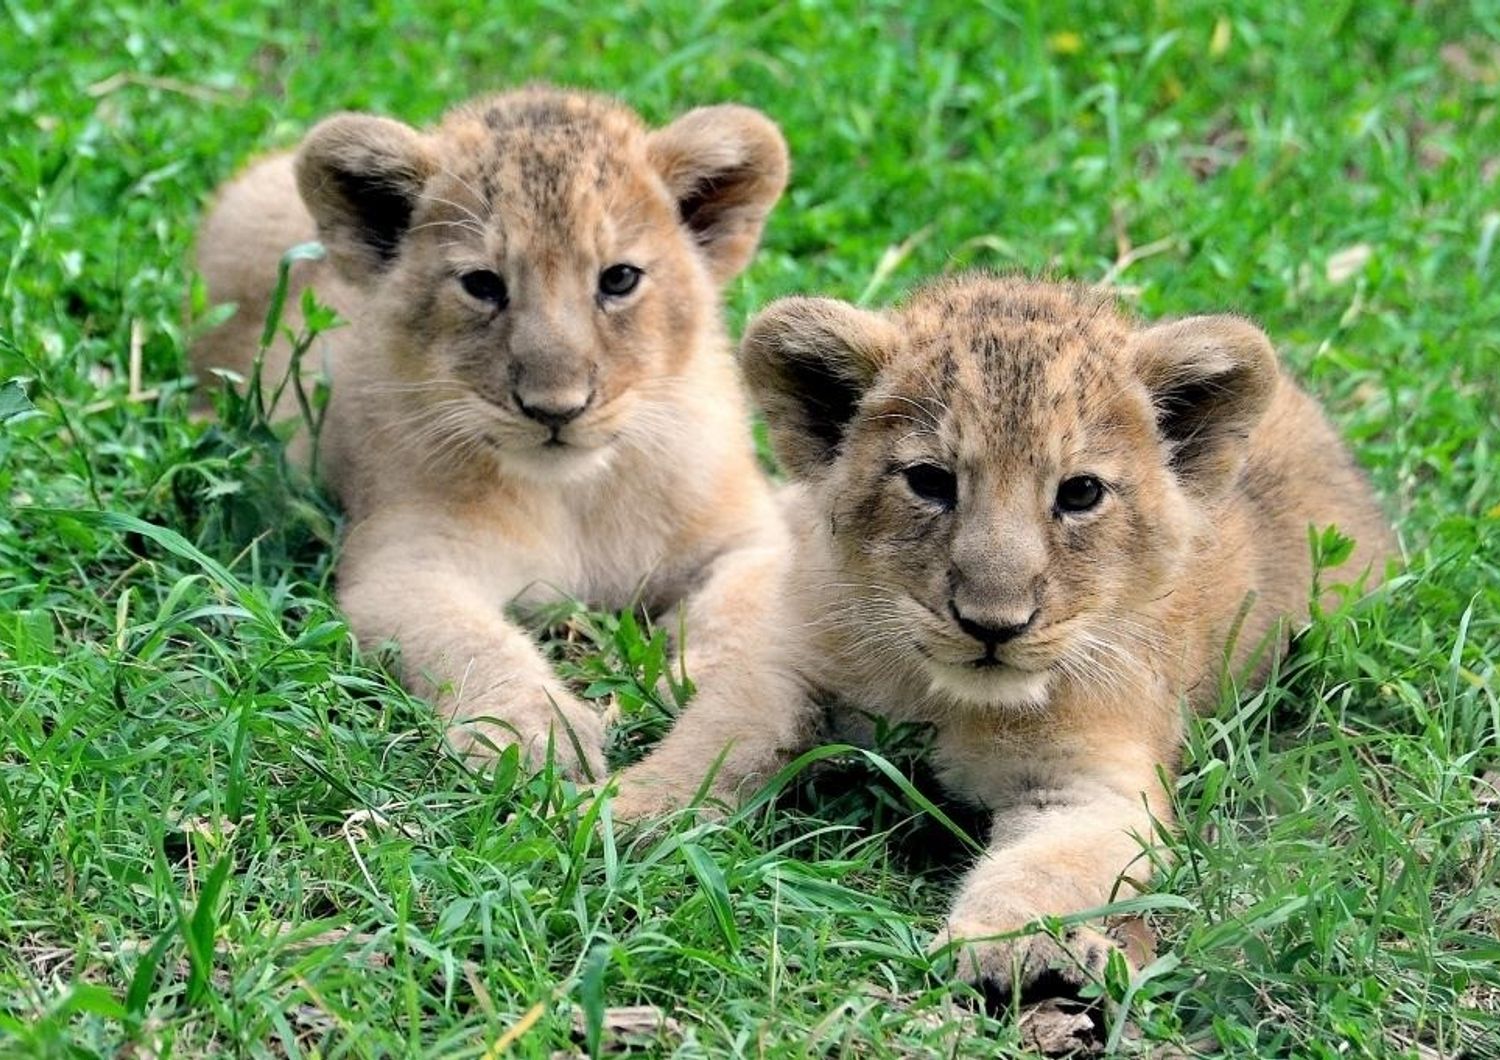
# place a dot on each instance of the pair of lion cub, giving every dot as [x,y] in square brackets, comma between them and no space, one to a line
[1014,513]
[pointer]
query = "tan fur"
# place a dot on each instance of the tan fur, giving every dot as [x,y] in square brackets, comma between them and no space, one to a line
[1214,465]
[462,502]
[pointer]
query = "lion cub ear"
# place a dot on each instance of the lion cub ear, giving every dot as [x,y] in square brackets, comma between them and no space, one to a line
[726,166]
[361,178]
[1211,379]
[808,362]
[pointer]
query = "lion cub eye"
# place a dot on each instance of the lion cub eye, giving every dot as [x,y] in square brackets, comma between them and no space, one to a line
[934,484]
[486,286]
[619,280]
[1079,493]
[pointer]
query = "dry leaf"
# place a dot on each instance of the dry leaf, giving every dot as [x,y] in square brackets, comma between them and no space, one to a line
[354,824]
[1059,1028]
[631,1026]
[1348,262]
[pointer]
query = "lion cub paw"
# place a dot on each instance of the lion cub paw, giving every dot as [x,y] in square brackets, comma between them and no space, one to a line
[1036,965]
[575,733]
[647,794]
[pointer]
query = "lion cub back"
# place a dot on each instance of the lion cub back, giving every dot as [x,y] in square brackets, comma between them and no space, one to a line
[253,220]
[1298,475]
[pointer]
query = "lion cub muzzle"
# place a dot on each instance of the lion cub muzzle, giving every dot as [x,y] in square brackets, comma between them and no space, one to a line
[991,630]
[553,368]
[553,409]
[997,577]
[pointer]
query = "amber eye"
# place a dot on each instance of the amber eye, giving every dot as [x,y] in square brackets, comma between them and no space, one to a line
[933,484]
[486,286]
[619,280]
[1080,493]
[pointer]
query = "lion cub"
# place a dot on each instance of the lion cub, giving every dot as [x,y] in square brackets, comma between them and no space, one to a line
[534,395]
[1036,524]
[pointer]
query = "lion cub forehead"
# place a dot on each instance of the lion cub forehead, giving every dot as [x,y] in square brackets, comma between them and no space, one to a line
[543,146]
[1015,350]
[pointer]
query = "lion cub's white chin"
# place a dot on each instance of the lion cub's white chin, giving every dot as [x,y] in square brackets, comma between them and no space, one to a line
[999,686]
[557,464]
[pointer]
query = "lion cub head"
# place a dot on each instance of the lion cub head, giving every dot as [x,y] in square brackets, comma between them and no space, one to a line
[1007,470]
[540,264]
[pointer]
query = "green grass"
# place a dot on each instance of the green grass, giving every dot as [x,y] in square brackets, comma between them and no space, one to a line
[221,833]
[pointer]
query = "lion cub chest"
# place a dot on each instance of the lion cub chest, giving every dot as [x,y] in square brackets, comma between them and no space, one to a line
[607,548]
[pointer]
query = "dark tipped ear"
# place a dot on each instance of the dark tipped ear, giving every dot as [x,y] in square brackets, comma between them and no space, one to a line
[726,166]
[1211,379]
[808,362]
[361,177]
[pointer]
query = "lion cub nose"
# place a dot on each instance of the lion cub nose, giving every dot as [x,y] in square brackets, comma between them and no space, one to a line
[991,630]
[553,409]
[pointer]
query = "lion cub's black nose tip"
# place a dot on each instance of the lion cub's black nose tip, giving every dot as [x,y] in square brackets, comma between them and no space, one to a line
[992,630]
[552,414]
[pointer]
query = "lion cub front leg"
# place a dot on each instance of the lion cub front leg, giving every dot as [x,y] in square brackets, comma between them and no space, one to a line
[485,675]
[750,713]
[1068,850]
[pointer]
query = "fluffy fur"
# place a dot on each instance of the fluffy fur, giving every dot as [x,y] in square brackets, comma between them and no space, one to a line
[509,422]
[956,566]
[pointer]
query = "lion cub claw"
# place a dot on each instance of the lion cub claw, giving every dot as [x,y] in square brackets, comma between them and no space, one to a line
[1036,965]
[643,795]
